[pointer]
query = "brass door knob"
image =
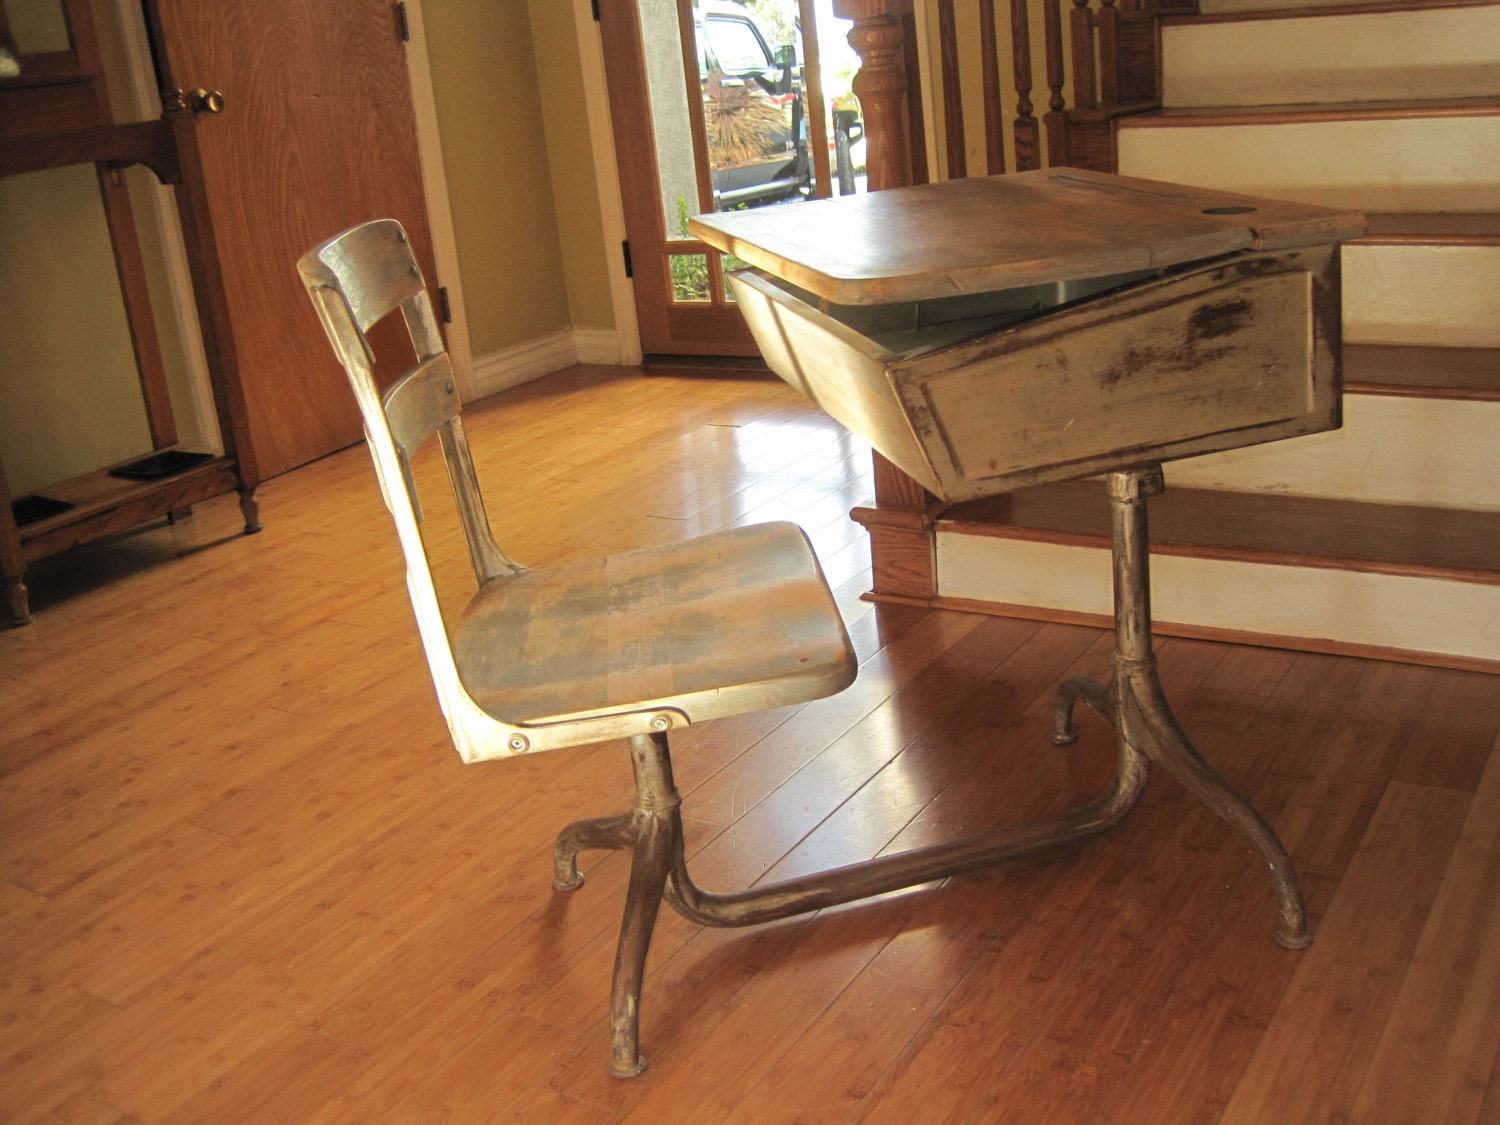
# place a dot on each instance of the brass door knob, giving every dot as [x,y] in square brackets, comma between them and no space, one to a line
[205,101]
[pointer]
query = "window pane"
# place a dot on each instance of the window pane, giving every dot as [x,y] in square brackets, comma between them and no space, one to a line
[689,278]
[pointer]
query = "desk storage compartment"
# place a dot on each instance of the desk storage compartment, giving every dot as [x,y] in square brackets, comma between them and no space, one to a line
[990,392]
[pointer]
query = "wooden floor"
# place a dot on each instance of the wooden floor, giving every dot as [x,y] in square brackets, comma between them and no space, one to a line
[247,879]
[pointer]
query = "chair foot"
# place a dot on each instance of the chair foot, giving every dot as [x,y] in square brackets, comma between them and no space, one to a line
[604,833]
[1091,693]
[617,1070]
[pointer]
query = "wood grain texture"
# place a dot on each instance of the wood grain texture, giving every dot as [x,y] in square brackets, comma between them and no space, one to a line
[1388,538]
[317,134]
[983,234]
[1414,371]
[266,890]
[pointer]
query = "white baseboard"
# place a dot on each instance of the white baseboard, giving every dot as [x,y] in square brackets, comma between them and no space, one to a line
[598,345]
[524,362]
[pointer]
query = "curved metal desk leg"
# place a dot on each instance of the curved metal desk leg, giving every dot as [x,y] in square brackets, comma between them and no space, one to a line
[1140,711]
[1142,701]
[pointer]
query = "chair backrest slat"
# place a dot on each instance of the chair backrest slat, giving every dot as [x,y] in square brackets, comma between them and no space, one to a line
[421,401]
[373,267]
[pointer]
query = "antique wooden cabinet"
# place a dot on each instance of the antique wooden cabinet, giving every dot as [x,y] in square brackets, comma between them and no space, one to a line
[55,112]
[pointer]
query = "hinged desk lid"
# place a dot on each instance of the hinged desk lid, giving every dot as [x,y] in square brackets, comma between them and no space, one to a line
[978,235]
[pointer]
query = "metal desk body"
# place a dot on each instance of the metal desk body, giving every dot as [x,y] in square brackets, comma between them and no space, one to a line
[989,334]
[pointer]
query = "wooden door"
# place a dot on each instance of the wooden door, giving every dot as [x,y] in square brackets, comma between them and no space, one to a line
[317,133]
[658,110]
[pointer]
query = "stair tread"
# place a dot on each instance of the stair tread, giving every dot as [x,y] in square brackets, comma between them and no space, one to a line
[1388,538]
[1311,111]
[1432,224]
[1472,373]
[1329,10]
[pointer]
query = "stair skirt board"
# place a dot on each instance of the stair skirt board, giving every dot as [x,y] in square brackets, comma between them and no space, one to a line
[1431,620]
[1331,57]
[1375,163]
[1424,452]
[1444,293]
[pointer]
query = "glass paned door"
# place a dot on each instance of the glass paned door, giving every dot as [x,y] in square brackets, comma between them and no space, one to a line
[717,105]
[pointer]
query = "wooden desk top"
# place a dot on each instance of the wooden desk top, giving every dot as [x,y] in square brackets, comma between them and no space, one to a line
[983,234]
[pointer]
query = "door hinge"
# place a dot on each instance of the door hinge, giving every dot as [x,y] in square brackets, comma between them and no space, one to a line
[596,11]
[402,23]
[629,269]
[445,310]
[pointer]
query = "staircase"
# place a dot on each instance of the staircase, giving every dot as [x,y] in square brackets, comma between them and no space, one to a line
[1382,538]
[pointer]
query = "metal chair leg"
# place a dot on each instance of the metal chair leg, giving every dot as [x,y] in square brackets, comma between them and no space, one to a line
[656,826]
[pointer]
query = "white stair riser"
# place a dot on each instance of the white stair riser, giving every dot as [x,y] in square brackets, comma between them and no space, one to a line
[1368,56]
[1422,293]
[1376,164]
[1385,611]
[1428,452]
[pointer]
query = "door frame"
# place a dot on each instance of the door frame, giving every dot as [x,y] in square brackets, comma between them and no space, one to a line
[668,327]
[607,177]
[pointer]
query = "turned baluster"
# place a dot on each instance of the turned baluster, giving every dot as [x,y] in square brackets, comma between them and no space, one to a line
[1108,22]
[1028,146]
[953,94]
[994,120]
[1084,96]
[880,86]
[1057,123]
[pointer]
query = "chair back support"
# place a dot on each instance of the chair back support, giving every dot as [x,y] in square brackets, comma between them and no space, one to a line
[355,279]
[630,645]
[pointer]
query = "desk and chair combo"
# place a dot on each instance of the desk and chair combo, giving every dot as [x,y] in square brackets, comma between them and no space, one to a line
[982,334]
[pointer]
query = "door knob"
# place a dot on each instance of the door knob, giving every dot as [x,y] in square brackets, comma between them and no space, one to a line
[205,101]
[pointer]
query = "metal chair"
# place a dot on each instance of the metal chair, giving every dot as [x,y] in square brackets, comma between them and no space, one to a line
[629,646]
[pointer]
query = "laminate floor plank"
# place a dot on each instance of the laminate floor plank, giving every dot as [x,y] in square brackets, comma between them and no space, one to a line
[1442,1038]
[244,876]
[1317,1051]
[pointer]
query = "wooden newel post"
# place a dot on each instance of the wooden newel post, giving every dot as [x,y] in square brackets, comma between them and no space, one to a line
[880,87]
[900,524]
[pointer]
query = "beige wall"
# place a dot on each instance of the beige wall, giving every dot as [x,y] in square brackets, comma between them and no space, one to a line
[70,401]
[575,193]
[489,110]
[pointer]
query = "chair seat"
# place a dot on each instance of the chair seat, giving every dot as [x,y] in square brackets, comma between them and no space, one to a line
[731,622]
